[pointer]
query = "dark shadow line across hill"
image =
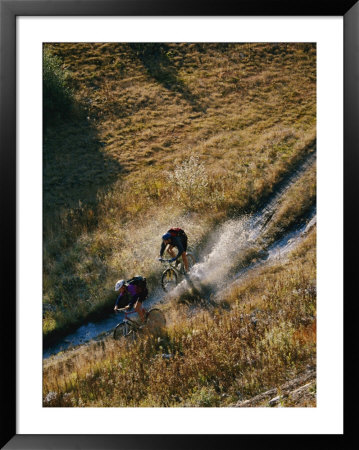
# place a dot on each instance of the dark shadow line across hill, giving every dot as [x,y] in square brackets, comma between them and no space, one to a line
[156,60]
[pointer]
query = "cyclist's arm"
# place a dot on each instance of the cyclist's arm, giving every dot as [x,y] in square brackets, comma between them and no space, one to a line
[163,246]
[117,300]
[177,243]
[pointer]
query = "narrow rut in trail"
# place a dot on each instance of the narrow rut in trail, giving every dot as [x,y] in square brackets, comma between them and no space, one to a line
[224,260]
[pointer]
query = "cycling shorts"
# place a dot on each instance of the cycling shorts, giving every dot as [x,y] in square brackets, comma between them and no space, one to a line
[184,241]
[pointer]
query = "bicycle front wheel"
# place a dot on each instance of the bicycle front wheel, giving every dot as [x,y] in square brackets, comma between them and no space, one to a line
[169,280]
[123,330]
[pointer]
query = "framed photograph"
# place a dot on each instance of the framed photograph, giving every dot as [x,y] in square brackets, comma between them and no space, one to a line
[189,163]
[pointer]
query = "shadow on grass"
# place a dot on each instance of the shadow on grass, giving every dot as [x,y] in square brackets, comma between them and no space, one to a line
[76,176]
[76,171]
[156,59]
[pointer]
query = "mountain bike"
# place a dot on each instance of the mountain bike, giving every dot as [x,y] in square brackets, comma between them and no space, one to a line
[154,323]
[174,271]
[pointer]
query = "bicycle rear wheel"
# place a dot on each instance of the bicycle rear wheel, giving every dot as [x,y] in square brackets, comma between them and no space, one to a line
[155,321]
[169,280]
[124,330]
[191,261]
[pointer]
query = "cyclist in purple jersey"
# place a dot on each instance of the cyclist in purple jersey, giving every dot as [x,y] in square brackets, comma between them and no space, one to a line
[130,296]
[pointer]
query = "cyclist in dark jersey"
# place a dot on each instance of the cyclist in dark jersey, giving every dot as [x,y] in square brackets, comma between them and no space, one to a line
[130,296]
[172,240]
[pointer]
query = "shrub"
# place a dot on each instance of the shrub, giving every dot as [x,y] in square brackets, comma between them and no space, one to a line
[191,181]
[57,95]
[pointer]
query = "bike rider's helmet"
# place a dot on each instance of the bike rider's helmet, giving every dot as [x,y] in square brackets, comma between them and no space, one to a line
[119,284]
[166,236]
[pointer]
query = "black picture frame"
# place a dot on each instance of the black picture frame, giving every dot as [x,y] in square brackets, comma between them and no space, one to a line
[9,10]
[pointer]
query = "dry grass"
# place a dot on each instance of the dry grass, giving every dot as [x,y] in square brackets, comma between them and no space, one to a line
[260,334]
[293,208]
[247,111]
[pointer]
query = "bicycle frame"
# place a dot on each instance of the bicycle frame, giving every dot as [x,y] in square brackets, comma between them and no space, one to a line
[127,313]
[171,265]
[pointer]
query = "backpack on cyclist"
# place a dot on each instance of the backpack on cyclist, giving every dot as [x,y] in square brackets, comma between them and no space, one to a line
[141,284]
[176,232]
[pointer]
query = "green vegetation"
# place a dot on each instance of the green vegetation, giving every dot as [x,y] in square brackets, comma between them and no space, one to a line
[57,95]
[112,169]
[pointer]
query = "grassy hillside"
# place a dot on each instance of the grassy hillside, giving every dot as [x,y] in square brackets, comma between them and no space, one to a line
[260,334]
[161,135]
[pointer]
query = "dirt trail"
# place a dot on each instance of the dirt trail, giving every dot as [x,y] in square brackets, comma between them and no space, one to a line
[221,262]
[234,244]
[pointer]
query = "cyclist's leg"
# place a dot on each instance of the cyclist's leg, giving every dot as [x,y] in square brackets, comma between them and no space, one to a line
[185,260]
[140,310]
[184,254]
[171,251]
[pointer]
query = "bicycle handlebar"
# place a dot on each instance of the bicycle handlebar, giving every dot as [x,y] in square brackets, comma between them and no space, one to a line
[165,260]
[125,310]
